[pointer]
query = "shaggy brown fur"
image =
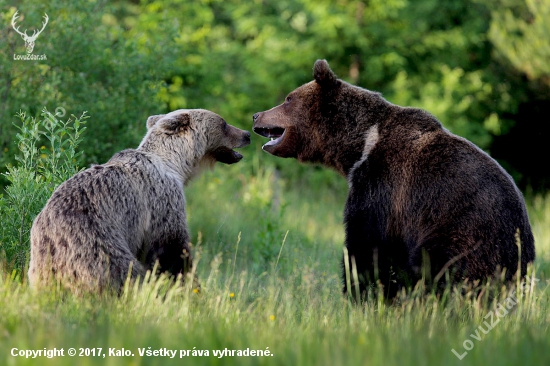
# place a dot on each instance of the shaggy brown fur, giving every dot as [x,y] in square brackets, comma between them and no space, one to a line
[130,212]
[418,195]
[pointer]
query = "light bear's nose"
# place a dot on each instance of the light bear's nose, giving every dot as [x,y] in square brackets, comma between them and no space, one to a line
[255,117]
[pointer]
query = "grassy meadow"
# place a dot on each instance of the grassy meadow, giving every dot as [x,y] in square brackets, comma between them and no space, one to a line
[268,251]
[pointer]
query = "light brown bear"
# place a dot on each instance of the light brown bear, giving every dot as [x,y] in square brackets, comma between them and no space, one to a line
[419,196]
[130,211]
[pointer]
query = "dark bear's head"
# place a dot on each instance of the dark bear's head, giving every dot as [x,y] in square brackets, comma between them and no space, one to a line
[292,125]
[198,134]
[323,121]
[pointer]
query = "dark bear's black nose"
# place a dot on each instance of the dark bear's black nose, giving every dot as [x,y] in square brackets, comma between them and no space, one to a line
[255,117]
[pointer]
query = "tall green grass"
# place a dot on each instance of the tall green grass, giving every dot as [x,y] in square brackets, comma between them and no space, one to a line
[302,318]
[267,252]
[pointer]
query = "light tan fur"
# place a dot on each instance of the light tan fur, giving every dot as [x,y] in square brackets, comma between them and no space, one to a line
[125,215]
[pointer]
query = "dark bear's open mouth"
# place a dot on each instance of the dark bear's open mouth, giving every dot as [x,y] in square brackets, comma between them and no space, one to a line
[274,133]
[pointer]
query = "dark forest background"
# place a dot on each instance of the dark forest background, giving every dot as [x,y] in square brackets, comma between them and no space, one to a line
[481,67]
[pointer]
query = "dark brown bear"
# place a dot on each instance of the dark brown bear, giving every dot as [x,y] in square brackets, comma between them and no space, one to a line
[419,196]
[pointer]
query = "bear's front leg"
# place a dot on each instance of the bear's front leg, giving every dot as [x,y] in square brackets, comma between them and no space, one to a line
[173,254]
[358,272]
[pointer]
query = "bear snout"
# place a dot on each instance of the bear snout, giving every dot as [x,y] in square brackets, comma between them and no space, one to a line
[245,141]
[238,138]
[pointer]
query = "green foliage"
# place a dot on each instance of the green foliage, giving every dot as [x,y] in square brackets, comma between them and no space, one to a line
[520,31]
[40,169]
[128,60]
[90,66]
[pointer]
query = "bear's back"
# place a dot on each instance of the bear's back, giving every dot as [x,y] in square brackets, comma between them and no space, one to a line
[124,197]
[103,191]
[422,187]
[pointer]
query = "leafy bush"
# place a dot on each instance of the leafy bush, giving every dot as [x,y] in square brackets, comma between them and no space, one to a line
[90,66]
[40,169]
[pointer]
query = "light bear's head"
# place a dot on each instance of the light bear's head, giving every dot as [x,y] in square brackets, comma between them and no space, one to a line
[192,138]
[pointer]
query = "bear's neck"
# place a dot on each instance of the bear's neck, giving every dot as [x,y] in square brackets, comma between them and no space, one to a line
[187,167]
[353,134]
[179,163]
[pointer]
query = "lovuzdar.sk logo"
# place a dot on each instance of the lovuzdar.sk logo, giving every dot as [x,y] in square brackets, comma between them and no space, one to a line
[29,40]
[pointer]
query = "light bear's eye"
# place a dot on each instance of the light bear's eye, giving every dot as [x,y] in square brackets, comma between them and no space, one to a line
[288,99]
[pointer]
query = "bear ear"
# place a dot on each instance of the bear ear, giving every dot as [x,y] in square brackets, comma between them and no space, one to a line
[175,124]
[322,73]
[153,119]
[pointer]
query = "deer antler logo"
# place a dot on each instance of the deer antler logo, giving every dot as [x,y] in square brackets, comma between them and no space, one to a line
[29,40]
